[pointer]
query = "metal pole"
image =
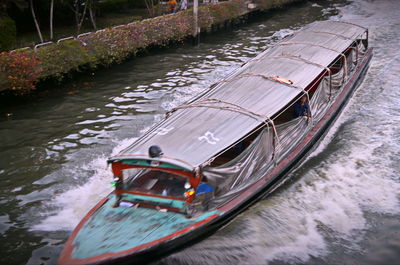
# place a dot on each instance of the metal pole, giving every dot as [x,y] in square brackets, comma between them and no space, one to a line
[195,17]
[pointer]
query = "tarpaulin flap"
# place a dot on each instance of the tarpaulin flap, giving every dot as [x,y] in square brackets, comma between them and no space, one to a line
[255,162]
[231,178]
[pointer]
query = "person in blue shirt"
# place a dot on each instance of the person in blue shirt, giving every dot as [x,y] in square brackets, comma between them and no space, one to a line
[204,188]
[205,193]
[302,108]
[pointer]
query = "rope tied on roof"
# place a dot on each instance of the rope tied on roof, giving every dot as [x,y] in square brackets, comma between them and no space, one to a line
[276,78]
[292,57]
[223,105]
[317,45]
[228,106]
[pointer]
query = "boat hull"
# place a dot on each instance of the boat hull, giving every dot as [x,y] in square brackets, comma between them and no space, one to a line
[228,211]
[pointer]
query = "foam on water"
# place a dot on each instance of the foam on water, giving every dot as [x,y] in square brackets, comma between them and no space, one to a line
[331,201]
[73,204]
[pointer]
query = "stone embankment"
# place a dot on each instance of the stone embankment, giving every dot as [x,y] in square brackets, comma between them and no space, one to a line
[21,70]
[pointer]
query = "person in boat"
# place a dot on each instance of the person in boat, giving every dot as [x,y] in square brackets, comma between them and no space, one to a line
[204,193]
[302,108]
[204,188]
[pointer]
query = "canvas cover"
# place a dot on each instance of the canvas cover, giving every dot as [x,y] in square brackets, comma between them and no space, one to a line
[248,98]
[235,176]
[258,159]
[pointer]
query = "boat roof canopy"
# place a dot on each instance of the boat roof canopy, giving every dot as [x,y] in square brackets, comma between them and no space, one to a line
[236,106]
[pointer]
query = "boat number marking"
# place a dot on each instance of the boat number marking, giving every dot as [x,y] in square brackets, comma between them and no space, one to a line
[163,131]
[209,137]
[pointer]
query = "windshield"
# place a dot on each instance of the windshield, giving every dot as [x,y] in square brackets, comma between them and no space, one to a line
[154,182]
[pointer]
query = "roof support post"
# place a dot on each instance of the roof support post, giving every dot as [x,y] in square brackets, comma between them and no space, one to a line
[276,141]
[311,111]
[345,68]
[357,51]
[330,84]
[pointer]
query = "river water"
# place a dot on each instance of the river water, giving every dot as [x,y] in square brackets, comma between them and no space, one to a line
[340,207]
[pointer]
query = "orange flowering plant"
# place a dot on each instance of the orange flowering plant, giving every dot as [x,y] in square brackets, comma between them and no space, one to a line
[20,70]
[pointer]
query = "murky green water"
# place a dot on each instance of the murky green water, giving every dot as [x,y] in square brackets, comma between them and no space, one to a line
[342,206]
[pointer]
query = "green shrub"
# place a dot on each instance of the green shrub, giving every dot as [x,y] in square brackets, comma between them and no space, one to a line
[64,57]
[22,69]
[7,33]
[19,70]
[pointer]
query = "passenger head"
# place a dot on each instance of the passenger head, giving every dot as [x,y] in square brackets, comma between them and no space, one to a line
[155,151]
[303,99]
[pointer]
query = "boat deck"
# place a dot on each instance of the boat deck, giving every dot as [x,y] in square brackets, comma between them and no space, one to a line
[103,231]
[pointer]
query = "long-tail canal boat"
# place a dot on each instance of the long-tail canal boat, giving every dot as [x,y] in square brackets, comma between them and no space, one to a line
[227,148]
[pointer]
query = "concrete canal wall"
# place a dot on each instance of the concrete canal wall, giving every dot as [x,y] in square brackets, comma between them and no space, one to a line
[21,70]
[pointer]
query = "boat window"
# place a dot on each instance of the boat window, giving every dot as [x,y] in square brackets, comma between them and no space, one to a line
[228,155]
[154,182]
[235,150]
[364,43]
[336,65]
[286,114]
[351,57]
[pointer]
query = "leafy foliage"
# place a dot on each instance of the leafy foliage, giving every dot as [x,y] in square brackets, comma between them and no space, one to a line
[22,70]
[7,33]
[62,58]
